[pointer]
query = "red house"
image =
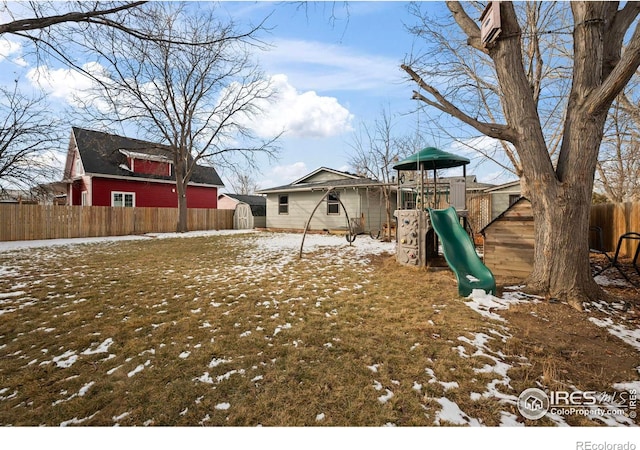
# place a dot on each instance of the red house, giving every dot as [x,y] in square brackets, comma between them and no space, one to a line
[107,170]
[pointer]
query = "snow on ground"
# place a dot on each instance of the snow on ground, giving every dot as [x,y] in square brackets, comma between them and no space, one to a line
[17,245]
[268,256]
[489,306]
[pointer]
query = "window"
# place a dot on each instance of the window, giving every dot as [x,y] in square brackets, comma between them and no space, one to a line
[283,204]
[123,199]
[333,203]
[83,200]
[513,198]
[78,170]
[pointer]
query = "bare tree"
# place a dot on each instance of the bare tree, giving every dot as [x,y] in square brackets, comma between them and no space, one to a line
[198,98]
[559,188]
[244,184]
[375,151]
[29,139]
[618,169]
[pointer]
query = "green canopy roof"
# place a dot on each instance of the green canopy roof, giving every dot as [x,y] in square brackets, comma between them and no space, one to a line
[431,158]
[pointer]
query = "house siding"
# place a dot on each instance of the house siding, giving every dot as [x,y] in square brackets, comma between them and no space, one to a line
[150,167]
[364,205]
[323,176]
[301,205]
[159,195]
[500,199]
[373,209]
[509,242]
[227,203]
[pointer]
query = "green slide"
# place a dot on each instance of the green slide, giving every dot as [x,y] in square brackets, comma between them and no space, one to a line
[460,253]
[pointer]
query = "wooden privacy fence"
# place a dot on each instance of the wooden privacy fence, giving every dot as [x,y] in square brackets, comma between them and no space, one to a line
[28,222]
[616,219]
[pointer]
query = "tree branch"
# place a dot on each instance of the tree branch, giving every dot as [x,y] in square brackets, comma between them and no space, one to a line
[493,130]
[468,25]
[618,78]
[37,23]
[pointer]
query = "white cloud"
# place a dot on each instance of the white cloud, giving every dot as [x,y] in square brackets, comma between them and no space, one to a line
[301,114]
[290,172]
[471,147]
[65,84]
[12,50]
[283,174]
[9,47]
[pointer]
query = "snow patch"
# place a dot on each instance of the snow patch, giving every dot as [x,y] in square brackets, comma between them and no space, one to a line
[101,348]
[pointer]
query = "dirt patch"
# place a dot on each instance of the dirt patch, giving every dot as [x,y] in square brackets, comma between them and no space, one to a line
[572,350]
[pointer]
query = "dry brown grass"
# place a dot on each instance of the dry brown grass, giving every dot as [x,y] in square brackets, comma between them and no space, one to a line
[210,331]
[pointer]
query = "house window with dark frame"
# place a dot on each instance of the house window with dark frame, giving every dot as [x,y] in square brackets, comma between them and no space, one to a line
[513,198]
[283,204]
[123,199]
[333,204]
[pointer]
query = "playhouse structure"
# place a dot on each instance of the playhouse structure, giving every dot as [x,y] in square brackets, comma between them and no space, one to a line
[425,225]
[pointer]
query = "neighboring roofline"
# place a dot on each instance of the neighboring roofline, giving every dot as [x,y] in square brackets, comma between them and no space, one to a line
[327,169]
[324,186]
[502,186]
[231,195]
[141,179]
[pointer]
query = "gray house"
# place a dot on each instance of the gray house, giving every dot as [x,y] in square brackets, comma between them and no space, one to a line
[290,206]
[487,204]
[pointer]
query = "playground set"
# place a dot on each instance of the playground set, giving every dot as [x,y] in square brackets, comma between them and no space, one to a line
[421,223]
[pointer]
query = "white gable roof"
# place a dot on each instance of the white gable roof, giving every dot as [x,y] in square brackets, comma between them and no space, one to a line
[325,174]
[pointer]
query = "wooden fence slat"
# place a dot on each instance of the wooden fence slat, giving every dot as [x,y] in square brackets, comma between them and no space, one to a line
[616,220]
[29,222]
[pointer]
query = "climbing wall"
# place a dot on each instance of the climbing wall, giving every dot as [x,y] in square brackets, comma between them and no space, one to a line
[411,224]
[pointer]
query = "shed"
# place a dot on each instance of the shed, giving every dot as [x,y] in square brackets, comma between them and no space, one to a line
[256,203]
[509,241]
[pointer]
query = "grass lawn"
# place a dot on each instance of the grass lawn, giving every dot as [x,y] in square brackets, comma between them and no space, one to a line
[235,330]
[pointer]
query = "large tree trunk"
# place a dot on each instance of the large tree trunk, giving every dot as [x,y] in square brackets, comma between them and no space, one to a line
[182,226]
[561,256]
[181,190]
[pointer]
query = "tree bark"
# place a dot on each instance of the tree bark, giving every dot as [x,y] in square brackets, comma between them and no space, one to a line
[181,191]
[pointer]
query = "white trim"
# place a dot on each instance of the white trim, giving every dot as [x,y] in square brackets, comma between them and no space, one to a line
[145,156]
[325,169]
[78,169]
[124,194]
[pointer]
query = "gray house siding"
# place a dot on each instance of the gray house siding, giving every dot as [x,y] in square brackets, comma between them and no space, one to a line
[503,197]
[301,205]
[362,206]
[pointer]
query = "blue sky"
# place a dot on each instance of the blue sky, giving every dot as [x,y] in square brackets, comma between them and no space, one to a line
[333,76]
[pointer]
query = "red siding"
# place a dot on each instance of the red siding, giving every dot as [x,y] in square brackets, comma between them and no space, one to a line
[76,192]
[150,167]
[152,195]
